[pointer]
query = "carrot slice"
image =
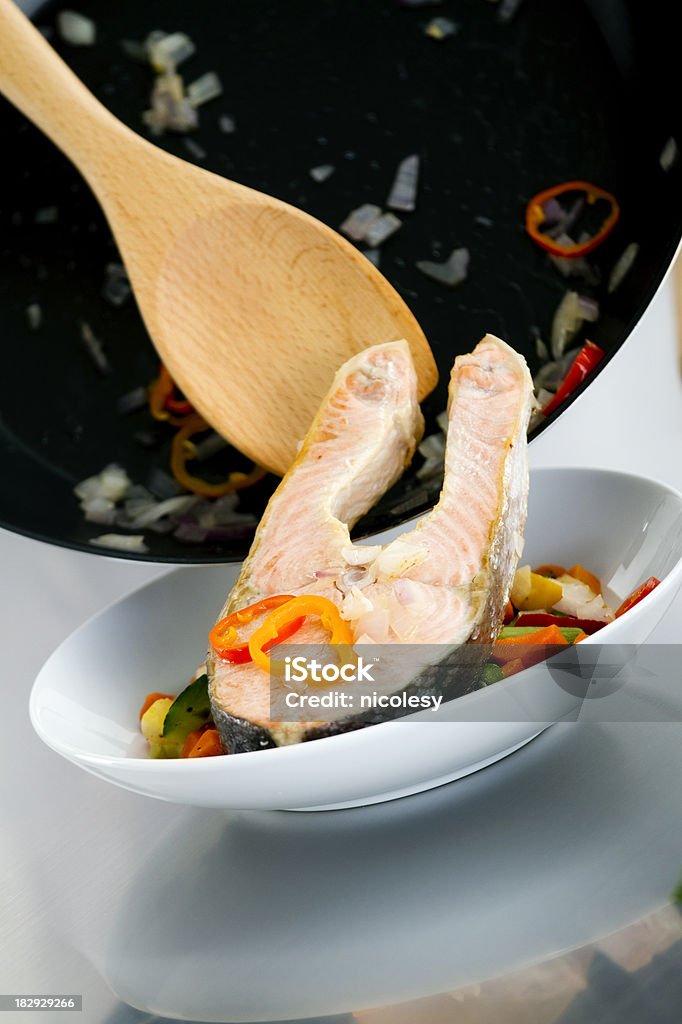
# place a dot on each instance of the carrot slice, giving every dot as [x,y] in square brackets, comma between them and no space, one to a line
[579,572]
[508,613]
[510,668]
[193,737]
[580,636]
[208,745]
[152,698]
[530,648]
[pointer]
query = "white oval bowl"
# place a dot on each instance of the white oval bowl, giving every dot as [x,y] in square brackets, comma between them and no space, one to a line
[85,700]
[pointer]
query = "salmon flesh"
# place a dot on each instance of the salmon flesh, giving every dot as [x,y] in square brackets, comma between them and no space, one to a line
[444,582]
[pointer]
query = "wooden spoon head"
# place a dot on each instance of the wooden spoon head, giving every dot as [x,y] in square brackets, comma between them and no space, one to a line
[253,305]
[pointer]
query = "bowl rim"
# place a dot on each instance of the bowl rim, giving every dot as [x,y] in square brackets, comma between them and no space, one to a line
[212,766]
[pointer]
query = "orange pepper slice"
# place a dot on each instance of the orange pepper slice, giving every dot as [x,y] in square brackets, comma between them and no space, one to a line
[302,606]
[223,638]
[535,218]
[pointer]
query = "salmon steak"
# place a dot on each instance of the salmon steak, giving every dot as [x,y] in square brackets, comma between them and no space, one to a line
[445,581]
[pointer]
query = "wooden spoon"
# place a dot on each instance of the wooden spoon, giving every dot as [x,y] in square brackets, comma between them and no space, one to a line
[252,304]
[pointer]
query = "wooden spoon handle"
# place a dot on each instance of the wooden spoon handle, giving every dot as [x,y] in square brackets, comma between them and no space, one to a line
[38,82]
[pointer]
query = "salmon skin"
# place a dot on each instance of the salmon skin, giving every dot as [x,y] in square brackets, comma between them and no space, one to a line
[444,582]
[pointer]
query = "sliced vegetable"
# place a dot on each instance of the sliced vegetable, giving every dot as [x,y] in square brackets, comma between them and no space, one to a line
[587,359]
[550,570]
[529,647]
[151,726]
[637,595]
[579,572]
[403,194]
[189,711]
[580,637]
[224,637]
[589,626]
[508,613]
[510,668]
[150,699]
[491,673]
[452,272]
[536,218]
[520,586]
[280,618]
[569,633]
[163,403]
[542,593]
[207,745]
[182,450]
[579,600]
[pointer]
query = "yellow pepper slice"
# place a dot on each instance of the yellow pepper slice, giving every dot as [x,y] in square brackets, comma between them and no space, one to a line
[543,593]
[298,607]
[182,450]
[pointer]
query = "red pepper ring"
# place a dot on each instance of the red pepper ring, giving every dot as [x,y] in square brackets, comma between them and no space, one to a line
[224,636]
[535,218]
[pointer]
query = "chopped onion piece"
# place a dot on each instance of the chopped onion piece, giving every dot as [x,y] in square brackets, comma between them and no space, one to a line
[227,124]
[171,506]
[360,554]
[669,154]
[170,109]
[373,255]
[403,194]
[541,350]
[441,28]
[570,314]
[355,226]
[162,484]
[432,447]
[485,222]
[430,469]
[589,309]
[94,348]
[508,9]
[132,401]
[112,483]
[551,374]
[99,510]
[76,29]
[46,215]
[622,266]
[116,288]
[452,272]
[121,542]
[168,52]
[381,229]
[204,89]
[194,149]
[578,267]
[443,421]
[321,173]
[34,315]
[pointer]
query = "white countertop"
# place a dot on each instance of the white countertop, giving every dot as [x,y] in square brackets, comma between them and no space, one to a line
[66,834]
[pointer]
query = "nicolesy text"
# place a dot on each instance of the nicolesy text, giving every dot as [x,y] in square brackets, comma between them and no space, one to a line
[301,670]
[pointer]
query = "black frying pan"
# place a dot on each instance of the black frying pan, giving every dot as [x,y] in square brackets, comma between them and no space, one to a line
[566,90]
